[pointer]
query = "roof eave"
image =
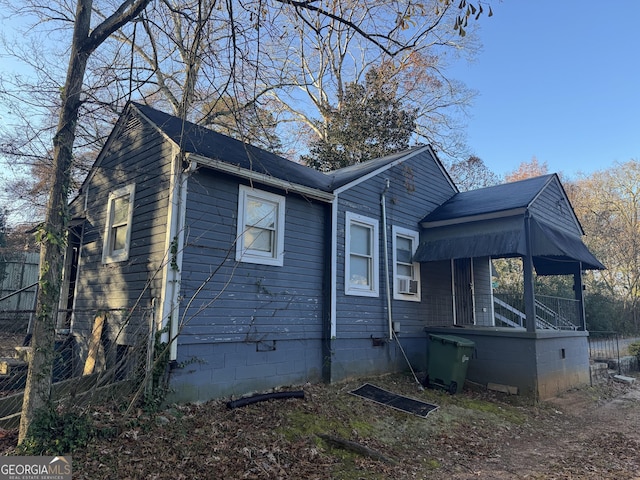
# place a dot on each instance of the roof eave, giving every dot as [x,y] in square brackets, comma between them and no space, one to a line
[237,171]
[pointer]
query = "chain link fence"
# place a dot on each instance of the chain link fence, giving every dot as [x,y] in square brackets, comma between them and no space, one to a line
[612,349]
[114,360]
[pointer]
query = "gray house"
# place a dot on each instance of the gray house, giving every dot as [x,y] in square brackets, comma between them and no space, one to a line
[263,272]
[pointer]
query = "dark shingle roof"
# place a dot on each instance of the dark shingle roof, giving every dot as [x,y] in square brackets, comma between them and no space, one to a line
[207,143]
[499,198]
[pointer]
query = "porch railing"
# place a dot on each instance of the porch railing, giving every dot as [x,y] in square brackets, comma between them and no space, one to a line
[551,312]
[502,310]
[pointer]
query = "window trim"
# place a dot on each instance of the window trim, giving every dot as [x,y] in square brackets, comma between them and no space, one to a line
[276,256]
[108,254]
[415,238]
[352,289]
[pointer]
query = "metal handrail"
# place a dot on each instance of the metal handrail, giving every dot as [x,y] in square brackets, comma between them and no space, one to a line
[18,291]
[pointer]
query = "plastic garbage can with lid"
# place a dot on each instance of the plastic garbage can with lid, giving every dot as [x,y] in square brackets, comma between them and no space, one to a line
[448,362]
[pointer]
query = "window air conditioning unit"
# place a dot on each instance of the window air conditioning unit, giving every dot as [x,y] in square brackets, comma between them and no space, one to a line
[407,286]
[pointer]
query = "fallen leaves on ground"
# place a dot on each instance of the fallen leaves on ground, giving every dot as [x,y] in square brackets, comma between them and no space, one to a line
[475,434]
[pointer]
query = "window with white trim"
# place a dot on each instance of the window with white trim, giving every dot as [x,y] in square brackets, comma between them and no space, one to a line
[260,234]
[117,232]
[361,255]
[406,272]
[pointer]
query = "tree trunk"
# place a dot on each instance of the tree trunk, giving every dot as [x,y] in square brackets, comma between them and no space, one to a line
[37,391]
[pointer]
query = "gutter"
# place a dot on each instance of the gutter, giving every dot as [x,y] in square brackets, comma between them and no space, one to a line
[237,171]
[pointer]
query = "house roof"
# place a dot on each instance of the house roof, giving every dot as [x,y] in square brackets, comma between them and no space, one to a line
[226,151]
[490,200]
[207,143]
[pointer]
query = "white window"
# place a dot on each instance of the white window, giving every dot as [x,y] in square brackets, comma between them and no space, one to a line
[361,255]
[406,272]
[260,235]
[117,232]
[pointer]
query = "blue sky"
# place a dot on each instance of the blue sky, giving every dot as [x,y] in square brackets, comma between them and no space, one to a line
[558,80]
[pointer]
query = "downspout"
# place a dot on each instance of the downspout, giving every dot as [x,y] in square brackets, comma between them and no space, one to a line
[175,246]
[472,287]
[334,266]
[383,202]
[392,334]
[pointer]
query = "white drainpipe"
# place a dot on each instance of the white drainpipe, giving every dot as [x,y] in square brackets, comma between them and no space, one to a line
[383,202]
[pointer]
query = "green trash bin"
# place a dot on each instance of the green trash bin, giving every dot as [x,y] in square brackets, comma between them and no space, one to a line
[448,361]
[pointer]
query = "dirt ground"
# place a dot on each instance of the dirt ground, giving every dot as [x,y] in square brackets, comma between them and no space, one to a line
[590,433]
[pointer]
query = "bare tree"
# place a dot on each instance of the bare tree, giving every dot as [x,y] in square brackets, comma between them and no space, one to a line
[472,173]
[413,51]
[527,170]
[244,69]
[607,203]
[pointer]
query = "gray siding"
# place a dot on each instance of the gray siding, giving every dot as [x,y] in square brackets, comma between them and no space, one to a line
[552,207]
[416,187]
[137,155]
[249,323]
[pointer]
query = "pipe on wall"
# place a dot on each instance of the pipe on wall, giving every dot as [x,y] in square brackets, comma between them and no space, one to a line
[383,203]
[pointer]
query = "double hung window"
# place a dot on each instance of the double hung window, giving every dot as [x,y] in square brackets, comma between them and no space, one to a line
[361,254]
[260,234]
[117,233]
[406,272]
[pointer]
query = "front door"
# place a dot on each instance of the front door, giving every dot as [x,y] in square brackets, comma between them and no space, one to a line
[463,291]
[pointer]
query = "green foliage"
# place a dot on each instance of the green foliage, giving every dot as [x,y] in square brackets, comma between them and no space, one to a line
[57,432]
[159,387]
[607,203]
[369,122]
[634,349]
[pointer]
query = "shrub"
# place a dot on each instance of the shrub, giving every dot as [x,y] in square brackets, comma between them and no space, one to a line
[54,432]
[634,349]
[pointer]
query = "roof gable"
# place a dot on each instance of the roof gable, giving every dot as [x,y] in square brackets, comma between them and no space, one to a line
[352,175]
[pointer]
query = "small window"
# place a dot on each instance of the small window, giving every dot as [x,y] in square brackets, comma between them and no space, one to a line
[406,272]
[361,254]
[260,227]
[117,233]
